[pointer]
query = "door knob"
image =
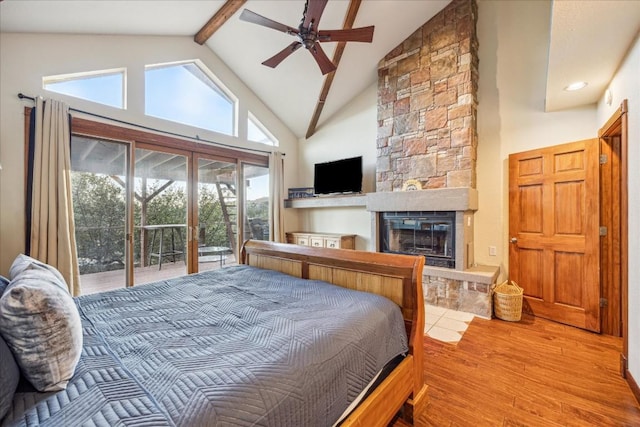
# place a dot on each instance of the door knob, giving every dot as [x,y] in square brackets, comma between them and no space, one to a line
[514,240]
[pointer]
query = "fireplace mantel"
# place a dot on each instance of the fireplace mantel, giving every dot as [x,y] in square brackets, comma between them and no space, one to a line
[439,199]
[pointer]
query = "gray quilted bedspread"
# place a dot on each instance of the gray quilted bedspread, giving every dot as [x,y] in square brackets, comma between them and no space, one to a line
[239,346]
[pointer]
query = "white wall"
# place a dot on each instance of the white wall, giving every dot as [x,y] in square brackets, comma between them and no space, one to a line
[26,58]
[514,44]
[626,85]
[350,132]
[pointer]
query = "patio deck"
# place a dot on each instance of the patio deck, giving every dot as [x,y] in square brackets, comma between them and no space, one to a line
[110,280]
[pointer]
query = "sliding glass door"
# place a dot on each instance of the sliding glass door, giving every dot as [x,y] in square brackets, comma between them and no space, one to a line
[160,214]
[149,207]
[256,202]
[216,213]
[99,182]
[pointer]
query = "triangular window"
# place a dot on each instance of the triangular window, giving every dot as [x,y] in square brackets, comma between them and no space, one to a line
[188,93]
[104,87]
[256,132]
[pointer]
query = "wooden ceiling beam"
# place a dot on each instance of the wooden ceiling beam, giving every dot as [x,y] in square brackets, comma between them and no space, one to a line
[349,19]
[221,16]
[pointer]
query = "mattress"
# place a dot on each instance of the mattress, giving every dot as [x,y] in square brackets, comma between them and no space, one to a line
[237,346]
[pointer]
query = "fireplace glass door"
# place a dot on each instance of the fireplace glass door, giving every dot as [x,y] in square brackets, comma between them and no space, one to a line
[430,234]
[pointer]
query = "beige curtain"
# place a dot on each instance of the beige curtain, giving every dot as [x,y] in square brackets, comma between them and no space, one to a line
[276,197]
[52,228]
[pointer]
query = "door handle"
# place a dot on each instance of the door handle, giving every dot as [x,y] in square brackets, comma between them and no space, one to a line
[514,240]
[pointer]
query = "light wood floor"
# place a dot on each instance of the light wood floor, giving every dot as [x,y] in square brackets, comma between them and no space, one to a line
[528,373]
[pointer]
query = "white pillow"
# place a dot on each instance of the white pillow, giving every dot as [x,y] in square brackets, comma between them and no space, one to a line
[40,322]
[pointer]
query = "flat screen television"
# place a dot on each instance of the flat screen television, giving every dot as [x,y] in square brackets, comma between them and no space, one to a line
[339,176]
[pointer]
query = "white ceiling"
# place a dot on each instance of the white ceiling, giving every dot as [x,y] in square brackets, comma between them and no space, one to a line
[588,41]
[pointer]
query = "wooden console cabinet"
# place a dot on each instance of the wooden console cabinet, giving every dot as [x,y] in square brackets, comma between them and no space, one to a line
[322,240]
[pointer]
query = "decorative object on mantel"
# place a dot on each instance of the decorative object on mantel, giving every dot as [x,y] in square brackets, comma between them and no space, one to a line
[411,184]
[301,192]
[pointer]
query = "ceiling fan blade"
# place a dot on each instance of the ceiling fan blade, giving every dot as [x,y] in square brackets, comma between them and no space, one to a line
[254,18]
[325,64]
[364,34]
[313,12]
[276,59]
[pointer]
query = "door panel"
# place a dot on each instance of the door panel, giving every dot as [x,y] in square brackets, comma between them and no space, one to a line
[256,201]
[161,213]
[532,268]
[100,186]
[553,225]
[216,212]
[568,269]
[569,195]
[531,201]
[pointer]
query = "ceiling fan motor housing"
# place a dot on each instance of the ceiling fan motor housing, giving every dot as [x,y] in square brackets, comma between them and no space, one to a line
[308,39]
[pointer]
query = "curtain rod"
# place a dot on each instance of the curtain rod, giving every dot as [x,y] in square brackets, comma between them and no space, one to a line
[197,138]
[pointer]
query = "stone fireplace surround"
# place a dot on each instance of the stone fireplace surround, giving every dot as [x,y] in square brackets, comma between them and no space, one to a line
[427,134]
[468,286]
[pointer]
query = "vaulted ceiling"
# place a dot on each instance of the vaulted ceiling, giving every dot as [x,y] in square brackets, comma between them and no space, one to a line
[588,39]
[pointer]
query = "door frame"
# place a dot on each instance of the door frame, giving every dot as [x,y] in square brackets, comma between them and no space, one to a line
[617,125]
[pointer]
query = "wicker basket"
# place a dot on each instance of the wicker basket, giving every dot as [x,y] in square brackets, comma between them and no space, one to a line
[507,301]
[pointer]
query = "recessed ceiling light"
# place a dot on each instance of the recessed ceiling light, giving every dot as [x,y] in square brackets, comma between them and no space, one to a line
[576,86]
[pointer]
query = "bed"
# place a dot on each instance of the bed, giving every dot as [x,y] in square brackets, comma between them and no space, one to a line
[280,340]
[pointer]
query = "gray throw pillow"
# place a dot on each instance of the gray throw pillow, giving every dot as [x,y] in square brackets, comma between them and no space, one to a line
[23,262]
[41,325]
[9,377]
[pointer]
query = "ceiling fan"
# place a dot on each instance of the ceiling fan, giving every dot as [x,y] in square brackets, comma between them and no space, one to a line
[308,34]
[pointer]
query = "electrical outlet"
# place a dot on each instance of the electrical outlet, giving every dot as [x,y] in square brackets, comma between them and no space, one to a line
[492,251]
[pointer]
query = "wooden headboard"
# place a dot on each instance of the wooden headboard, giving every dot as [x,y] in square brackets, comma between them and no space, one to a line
[397,277]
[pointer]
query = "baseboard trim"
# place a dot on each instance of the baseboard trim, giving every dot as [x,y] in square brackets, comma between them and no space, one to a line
[633,385]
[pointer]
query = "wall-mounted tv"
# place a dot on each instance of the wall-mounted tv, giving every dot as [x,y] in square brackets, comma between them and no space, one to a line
[339,176]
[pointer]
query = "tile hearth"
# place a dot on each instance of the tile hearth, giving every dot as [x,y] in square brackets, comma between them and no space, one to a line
[444,324]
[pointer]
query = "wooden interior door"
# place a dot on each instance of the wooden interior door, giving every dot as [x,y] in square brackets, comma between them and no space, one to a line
[554,232]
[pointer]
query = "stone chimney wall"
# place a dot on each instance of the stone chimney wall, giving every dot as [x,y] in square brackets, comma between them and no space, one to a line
[427,104]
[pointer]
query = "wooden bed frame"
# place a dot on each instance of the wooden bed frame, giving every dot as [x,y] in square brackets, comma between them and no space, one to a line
[397,277]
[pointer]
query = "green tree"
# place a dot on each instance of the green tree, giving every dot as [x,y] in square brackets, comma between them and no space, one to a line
[99,211]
